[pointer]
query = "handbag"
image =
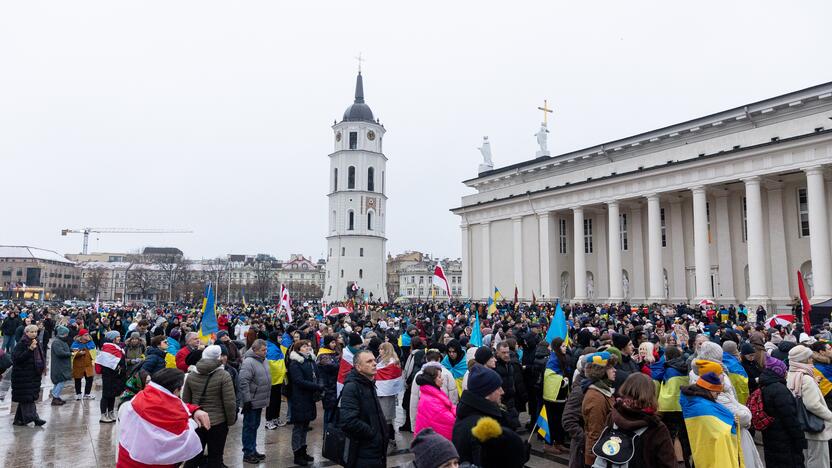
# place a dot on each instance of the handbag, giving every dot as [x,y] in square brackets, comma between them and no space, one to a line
[809,421]
[337,443]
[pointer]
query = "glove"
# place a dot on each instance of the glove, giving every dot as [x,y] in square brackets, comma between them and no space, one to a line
[246,406]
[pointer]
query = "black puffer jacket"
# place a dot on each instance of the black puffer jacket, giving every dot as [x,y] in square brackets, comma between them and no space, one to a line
[504,448]
[25,375]
[305,387]
[328,364]
[784,433]
[362,420]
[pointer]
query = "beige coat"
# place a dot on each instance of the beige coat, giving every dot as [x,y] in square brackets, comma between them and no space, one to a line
[813,400]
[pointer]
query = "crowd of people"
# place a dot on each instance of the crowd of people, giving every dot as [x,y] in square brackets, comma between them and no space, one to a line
[652,386]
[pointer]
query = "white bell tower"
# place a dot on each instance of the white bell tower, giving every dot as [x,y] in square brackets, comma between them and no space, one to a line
[356,243]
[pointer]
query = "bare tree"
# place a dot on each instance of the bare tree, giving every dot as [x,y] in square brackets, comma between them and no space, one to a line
[94,280]
[263,279]
[168,268]
[217,273]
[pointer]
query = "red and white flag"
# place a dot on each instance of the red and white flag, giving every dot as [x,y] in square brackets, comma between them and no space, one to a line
[440,280]
[156,428]
[337,311]
[389,380]
[109,356]
[806,306]
[285,302]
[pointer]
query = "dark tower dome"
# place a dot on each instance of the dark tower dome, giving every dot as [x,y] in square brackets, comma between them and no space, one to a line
[359,111]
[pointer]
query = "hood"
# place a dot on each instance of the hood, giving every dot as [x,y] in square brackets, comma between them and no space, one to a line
[679,363]
[206,366]
[156,351]
[297,357]
[251,354]
[459,352]
[768,377]
[628,419]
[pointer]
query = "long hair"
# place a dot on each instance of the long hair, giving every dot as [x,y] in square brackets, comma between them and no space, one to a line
[556,344]
[387,353]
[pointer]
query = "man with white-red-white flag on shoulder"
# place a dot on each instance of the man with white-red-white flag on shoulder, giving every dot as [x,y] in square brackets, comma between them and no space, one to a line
[156,429]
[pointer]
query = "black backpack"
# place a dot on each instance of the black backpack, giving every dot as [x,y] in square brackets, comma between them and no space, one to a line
[616,447]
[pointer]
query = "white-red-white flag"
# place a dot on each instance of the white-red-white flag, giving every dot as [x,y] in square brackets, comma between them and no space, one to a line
[109,356]
[389,379]
[285,301]
[440,280]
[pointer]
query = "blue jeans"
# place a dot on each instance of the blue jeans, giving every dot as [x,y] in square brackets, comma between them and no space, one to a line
[56,390]
[251,422]
[8,343]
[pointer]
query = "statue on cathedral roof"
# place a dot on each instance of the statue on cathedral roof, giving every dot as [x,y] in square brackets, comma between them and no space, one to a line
[485,150]
[542,136]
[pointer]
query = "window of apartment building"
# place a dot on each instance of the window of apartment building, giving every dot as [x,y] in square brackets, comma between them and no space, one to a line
[803,211]
[562,235]
[744,208]
[663,222]
[588,236]
[622,232]
[421,280]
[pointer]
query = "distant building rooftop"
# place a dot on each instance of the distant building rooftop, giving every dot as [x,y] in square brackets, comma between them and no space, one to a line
[32,253]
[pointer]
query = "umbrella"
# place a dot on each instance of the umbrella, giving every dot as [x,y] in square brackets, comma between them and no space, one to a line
[782,319]
[401,300]
[706,302]
[337,311]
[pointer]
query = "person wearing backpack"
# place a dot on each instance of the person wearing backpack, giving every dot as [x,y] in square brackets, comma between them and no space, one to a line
[783,430]
[801,382]
[634,415]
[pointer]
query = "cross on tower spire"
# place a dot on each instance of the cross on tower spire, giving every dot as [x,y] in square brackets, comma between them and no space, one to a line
[546,111]
[359,61]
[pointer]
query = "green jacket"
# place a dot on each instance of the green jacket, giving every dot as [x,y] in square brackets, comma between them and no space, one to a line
[220,401]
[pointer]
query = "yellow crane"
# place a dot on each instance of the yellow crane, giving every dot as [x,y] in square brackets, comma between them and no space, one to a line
[86,232]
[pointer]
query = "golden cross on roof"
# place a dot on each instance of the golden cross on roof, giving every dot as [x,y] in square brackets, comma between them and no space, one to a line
[359,61]
[546,111]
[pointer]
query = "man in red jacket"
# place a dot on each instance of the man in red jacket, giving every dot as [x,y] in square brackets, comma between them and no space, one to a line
[192,343]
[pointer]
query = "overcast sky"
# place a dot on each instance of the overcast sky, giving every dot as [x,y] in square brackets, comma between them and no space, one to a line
[215,116]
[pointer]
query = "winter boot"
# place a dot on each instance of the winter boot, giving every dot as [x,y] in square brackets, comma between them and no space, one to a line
[308,457]
[300,460]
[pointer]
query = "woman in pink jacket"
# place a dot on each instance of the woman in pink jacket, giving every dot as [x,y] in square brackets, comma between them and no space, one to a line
[435,410]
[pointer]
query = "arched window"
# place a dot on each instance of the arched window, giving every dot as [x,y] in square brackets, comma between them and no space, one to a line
[351,177]
[371,183]
[370,221]
[351,220]
[332,221]
[360,273]
[335,180]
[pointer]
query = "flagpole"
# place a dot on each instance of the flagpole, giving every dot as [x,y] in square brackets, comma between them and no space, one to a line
[532,433]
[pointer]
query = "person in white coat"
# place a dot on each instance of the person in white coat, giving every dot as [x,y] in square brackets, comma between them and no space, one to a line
[801,382]
[432,358]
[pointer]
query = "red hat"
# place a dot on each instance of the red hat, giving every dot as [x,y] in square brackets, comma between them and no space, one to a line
[83,332]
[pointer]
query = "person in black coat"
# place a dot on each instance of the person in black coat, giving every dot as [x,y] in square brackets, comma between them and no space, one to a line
[361,417]
[155,358]
[9,328]
[303,377]
[112,382]
[505,370]
[480,434]
[783,439]
[328,361]
[27,371]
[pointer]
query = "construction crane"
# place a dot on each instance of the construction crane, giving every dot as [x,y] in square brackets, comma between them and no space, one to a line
[86,232]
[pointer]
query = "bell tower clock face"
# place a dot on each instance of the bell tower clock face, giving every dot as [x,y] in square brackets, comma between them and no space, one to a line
[371,203]
[337,136]
[371,135]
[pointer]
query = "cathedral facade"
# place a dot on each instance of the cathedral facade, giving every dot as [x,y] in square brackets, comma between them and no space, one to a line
[727,207]
[356,242]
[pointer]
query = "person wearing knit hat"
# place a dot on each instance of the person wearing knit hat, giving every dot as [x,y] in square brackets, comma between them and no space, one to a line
[485,356]
[60,368]
[111,336]
[211,352]
[710,381]
[784,431]
[801,381]
[82,364]
[800,354]
[431,450]
[599,384]
[478,434]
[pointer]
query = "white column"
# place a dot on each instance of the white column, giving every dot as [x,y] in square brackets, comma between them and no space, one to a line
[701,247]
[654,249]
[780,277]
[486,286]
[756,244]
[678,287]
[579,256]
[518,255]
[724,249]
[637,289]
[819,234]
[616,287]
[466,259]
[545,239]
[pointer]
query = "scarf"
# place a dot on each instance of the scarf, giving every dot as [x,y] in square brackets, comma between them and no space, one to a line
[802,367]
[37,354]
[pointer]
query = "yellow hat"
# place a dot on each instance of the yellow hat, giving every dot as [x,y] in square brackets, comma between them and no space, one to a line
[703,366]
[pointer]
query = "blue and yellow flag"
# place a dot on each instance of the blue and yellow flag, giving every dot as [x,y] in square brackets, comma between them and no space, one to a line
[558,327]
[824,374]
[209,325]
[476,331]
[737,376]
[458,370]
[492,301]
[552,378]
[170,355]
[712,432]
[672,382]
[275,355]
[543,425]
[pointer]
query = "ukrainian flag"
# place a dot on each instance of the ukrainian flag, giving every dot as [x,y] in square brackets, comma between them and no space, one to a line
[712,433]
[737,375]
[170,356]
[824,373]
[458,370]
[552,378]
[657,372]
[672,382]
[275,355]
[209,325]
[543,425]
[558,327]
[492,301]
[476,331]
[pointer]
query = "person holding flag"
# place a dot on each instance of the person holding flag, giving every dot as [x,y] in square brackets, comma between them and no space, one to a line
[555,392]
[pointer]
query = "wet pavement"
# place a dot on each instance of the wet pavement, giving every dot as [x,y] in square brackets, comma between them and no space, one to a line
[73,437]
